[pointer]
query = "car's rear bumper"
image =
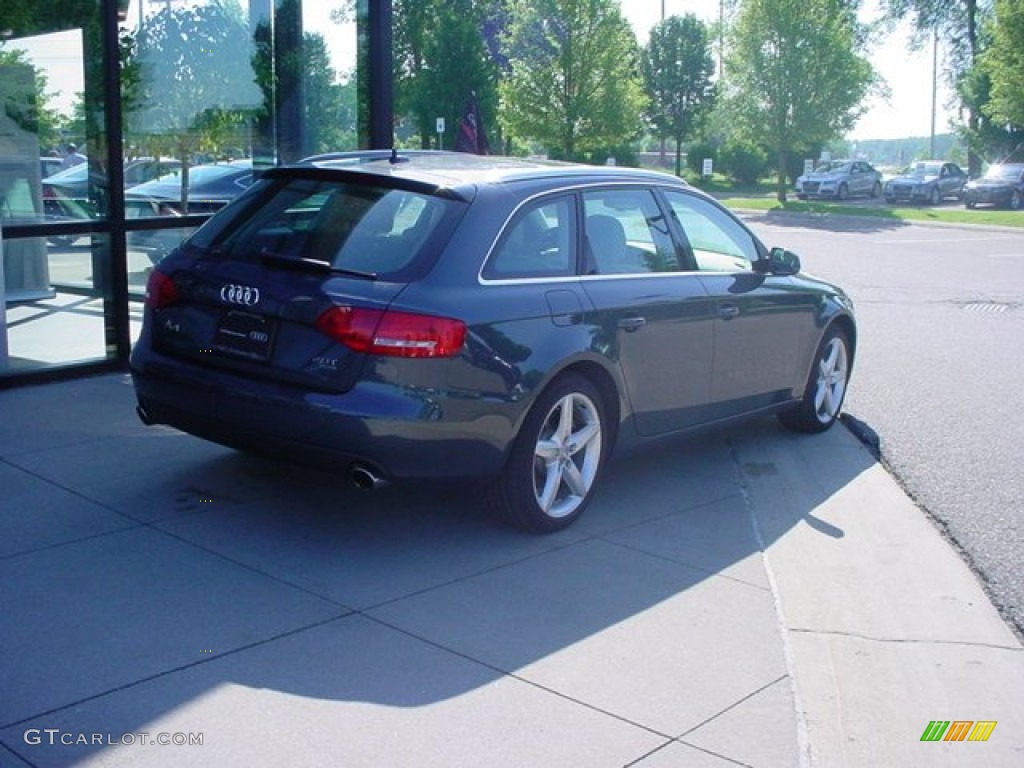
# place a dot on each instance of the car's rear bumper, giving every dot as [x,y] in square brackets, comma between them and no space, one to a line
[397,432]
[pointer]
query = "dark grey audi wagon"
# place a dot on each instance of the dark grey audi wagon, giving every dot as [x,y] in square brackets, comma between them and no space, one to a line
[442,316]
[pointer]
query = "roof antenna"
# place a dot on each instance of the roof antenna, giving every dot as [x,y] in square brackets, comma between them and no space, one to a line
[395,159]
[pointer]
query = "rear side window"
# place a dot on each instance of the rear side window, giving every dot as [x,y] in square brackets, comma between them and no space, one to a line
[536,244]
[349,226]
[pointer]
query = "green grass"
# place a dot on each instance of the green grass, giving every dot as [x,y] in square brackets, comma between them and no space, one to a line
[959,215]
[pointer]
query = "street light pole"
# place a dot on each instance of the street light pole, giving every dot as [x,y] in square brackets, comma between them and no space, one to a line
[935,76]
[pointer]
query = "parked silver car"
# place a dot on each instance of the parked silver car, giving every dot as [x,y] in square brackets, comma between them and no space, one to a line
[840,179]
[927,181]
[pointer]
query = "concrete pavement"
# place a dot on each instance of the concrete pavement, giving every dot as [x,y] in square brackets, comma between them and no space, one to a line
[748,598]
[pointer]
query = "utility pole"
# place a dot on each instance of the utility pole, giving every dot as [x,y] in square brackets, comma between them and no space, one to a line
[935,89]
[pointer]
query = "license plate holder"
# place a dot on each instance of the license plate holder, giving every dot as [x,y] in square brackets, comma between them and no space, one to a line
[244,334]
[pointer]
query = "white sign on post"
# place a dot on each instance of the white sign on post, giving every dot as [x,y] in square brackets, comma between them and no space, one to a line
[707,167]
[440,131]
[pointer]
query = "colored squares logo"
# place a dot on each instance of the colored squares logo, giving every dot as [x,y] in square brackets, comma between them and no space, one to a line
[958,730]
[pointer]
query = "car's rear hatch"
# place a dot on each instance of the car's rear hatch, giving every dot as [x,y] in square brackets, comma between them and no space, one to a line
[293,282]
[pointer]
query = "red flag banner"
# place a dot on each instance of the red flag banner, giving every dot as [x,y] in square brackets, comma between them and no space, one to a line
[471,136]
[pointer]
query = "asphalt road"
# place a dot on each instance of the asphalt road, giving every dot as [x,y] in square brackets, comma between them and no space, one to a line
[939,371]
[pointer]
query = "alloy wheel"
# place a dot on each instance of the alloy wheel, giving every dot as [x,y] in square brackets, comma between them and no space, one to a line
[567,455]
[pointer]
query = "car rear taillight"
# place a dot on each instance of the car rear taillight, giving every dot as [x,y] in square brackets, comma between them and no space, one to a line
[160,290]
[393,334]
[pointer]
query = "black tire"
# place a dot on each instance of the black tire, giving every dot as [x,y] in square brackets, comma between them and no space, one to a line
[969,204]
[826,386]
[843,192]
[934,197]
[1016,200]
[877,189]
[568,422]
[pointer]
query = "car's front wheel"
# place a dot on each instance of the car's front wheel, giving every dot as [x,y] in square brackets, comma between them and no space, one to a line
[1016,200]
[877,189]
[843,192]
[934,196]
[556,458]
[826,386]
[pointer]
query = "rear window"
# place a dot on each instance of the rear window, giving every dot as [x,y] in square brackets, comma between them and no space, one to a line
[349,226]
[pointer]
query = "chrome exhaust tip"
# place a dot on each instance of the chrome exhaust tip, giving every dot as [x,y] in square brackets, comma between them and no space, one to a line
[144,417]
[365,478]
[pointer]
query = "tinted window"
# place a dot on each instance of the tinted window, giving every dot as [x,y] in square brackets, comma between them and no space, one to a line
[719,242]
[626,233]
[536,244]
[349,226]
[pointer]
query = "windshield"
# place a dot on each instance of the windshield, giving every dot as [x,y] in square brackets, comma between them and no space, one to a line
[343,225]
[74,173]
[921,170]
[831,167]
[201,174]
[1003,172]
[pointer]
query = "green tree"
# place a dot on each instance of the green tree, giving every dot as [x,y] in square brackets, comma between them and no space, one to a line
[1004,64]
[957,24]
[441,56]
[23,97]
[194,88]
[797,74]
[575,84]
[330,106]
[677,67]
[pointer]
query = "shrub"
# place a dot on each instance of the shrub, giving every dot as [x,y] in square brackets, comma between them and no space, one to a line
[696,154]
[744,162]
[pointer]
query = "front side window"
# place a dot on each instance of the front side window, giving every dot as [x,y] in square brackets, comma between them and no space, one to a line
[626,233]
[719,242]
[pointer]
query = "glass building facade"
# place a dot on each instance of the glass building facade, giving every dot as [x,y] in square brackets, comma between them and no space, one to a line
[125,123]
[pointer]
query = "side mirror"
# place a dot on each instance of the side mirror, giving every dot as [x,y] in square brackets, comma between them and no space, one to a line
[783,262]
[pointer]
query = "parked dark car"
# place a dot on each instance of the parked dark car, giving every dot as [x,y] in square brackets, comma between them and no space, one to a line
[67,193]
[928,181]
[210,188]
[465,318]
[1002,184]
[840,179]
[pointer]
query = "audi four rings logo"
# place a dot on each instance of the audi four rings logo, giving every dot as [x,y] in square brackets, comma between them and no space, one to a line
[245,295]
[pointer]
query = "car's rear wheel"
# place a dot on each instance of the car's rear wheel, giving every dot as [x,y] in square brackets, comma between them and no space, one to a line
[826,386]
[1016,200]
[877,189]
[843,192]
[556,459]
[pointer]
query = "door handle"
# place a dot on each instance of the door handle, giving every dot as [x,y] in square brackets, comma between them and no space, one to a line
[632,323]
[728,310]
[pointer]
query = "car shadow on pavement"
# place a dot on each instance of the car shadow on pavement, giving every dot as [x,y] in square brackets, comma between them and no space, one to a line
[831,222]
[161,583]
